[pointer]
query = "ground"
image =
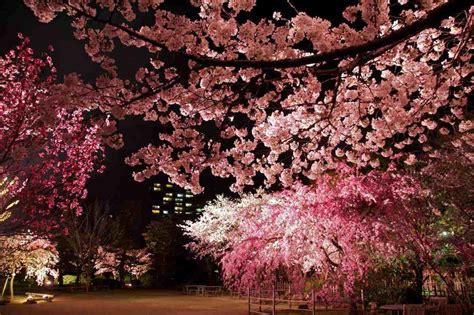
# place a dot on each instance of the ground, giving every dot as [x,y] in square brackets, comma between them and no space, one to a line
[129,302]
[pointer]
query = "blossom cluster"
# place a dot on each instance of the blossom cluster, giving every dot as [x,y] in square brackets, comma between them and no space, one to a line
[35,256]
[134,261]
[48,148]
[286,96]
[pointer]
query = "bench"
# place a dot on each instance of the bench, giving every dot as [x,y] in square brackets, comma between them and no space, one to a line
[212,291]
[32,298]
[203,290]
[72,289]
[192,289]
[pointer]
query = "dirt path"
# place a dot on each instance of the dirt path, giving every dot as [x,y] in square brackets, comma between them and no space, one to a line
[140,302]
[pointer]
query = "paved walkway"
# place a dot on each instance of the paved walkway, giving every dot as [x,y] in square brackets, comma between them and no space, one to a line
[129,302]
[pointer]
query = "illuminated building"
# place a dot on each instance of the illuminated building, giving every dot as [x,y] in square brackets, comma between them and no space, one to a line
[169,199]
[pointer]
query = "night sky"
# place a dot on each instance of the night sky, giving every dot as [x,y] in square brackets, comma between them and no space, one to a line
[116,184]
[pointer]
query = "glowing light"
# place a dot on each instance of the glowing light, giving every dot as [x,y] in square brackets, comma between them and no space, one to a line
[4,216]
[14,203]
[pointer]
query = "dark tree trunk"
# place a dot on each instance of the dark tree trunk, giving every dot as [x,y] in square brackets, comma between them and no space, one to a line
[60,277]
[418,285]
[121,269]
[78,272]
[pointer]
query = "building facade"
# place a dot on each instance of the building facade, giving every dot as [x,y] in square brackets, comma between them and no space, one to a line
[170,199]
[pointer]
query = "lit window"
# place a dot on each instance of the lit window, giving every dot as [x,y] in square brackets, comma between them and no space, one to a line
[189,204]
[167,199]
[169,185]
[157,187]
[179,195]
[179,199]
[165,211]
[187,212]
[178,208]
[189,195]
[156,206]
[156,211]
[200,210]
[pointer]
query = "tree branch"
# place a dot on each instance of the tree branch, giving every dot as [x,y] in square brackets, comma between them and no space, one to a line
[431,19]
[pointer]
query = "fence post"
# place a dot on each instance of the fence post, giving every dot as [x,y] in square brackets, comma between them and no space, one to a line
[273,300]
[248,298]
[289,296]
[259,299]
[313,307]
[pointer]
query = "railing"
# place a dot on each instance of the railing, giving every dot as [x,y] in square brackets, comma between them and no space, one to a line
[281,301]
[203,290]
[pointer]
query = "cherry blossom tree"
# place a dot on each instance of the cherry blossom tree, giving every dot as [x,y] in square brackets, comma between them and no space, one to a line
[281,95]
[134,261]
[331,233]
[35,256]
[48,150]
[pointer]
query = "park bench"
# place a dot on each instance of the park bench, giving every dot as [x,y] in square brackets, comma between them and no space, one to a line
[203,290]
[34,297]
[212,290]
[72,289]
[192,289]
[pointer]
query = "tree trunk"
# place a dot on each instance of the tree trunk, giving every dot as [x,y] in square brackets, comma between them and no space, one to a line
[60,277]
[79,272]
[418,282]
[88,278]
[121,269]
[88,282]
[5,286]
[12,294]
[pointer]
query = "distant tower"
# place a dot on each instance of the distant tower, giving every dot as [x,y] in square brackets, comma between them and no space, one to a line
[169,199]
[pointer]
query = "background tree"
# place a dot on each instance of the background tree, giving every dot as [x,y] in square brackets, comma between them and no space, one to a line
[135,262]
[164,240]
[35,256]
[86,233]
[172,263]
[274,95]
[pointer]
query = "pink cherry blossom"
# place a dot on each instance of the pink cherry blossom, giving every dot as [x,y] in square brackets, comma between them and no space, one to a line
[48,149]
[309,92]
